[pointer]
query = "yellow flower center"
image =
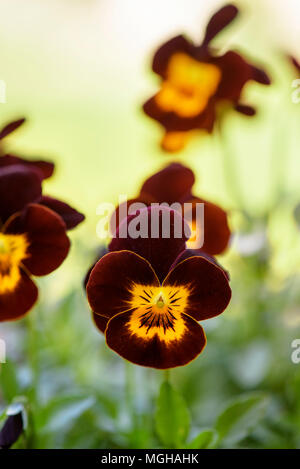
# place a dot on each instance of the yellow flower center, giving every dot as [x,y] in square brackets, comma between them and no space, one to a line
[158,311]
[188,86]
[12,252]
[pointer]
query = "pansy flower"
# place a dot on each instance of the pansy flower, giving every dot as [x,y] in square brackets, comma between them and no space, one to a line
[33,242]
[197,82]
[147,304]
[44,170]
[173,184]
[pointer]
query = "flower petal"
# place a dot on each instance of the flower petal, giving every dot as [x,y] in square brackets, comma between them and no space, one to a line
[171,184]
[43,168]
[235,74]
[158,250]
[100,254]
[245,109]
[11,430]
[164,53]
[216,229]
[100,322]
[15,304]
[126,208]
[219,21]
[110,282]
[18,187]
[11,127]
[187,253]
[156,347]
[260,76]
[48,244]
[173,123]
[70,216]
[209,288]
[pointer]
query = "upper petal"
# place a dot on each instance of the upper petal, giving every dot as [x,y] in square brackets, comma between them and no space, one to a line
[18,187]
[11,127]
[163,234]
[219,21]
[171,184]
[43,168]
[164,53]
[48,243]
[209,290]
[70,216]
[110,282]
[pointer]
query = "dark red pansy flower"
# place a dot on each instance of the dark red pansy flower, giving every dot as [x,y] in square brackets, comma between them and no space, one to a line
[43,168]
[173,184]
[33,242]
[11,430]
[197,81]
[20,185]
[40,169]
[147,306]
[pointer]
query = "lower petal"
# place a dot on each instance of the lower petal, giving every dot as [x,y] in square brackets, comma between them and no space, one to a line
[100,322]
[158,345]
[15,304]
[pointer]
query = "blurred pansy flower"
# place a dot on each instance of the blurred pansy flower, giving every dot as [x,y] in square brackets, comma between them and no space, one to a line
[295,63]
[43,170]
[14,425]
[32,242]
[147,297]
[197,82]
[173,184]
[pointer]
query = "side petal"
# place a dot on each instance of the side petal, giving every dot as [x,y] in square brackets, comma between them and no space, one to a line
[18,187]
[161,237]
[15,304]
[156,347]
[209,290]
[219,21]
[187,253]
[216,229]
[171,184]
[260,76]
[43,168]
[110,282]
[100,254]
[235,74]
[70,216]
[48,243]
[245,109]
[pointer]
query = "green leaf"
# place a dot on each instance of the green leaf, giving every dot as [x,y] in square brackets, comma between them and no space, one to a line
[206,439]
[240,417]
[172,417]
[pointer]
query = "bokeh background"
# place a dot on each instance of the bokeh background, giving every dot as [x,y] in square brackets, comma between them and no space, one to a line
[79,70]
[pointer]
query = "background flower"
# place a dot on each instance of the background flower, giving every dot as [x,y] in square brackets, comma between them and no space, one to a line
[198,82]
